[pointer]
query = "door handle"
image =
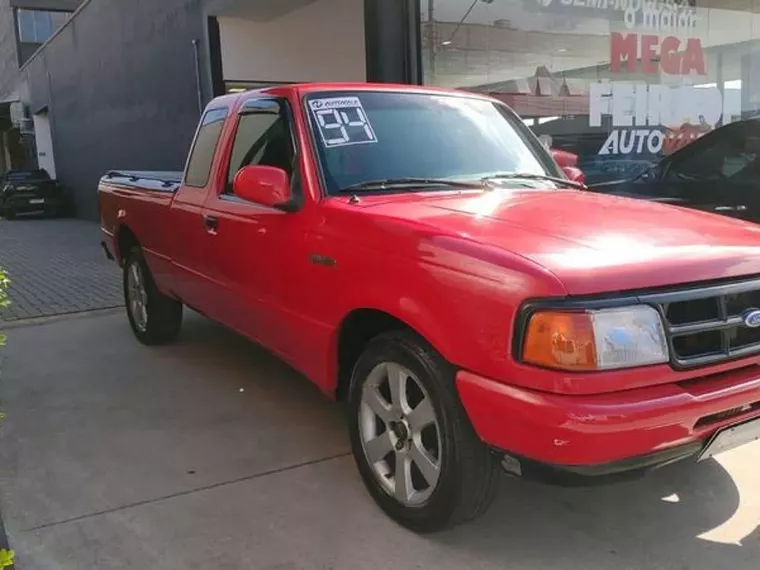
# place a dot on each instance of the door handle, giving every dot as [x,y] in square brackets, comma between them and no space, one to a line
[211,223]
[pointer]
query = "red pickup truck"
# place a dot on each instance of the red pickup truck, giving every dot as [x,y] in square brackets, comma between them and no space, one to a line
[418,254]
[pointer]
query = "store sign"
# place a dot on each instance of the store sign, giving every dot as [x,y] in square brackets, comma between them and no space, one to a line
[659,15]
[644,116]
[669,55]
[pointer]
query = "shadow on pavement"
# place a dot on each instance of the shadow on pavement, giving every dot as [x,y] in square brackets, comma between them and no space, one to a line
[652,523]
[655,522]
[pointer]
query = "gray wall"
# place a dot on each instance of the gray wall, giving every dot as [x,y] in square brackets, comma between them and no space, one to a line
[119,82]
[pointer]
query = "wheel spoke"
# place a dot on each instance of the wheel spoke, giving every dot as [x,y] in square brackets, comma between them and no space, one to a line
[377,404]
[397,382]
[135,275]
[403,478]
[427,465]
[377,449]
[421,416]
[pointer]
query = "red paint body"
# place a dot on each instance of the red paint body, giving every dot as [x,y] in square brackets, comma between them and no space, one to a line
[455,266]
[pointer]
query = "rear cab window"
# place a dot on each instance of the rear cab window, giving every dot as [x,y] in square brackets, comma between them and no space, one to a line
[204,148]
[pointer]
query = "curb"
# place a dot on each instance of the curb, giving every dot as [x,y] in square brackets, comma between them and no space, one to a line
[48,319]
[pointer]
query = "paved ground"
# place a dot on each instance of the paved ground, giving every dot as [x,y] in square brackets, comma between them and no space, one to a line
[211,454]
[56,266]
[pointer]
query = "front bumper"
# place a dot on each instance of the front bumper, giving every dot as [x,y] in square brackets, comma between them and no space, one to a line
[568,439]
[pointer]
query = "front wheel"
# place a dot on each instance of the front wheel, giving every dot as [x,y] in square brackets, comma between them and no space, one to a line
[415,448]
[155,318]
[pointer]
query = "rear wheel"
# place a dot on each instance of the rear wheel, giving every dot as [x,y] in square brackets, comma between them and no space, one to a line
[415,448]
[155,318]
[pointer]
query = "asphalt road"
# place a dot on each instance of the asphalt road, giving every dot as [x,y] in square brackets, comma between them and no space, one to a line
[212,454]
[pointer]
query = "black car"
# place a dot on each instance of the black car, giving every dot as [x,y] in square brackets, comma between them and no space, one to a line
[28,191]
[719,172]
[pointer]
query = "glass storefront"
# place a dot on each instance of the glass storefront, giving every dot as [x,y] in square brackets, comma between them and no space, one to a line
[617,83]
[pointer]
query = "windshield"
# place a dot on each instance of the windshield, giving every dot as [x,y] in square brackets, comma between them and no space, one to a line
[363,137]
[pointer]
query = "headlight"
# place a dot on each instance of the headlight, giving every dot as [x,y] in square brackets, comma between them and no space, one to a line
[589,340]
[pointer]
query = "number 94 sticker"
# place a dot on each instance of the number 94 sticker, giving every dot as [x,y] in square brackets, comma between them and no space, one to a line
[342,121]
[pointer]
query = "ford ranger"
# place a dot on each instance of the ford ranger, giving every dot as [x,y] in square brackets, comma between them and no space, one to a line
[419,255]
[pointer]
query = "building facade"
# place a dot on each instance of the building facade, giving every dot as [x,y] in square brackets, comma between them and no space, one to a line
[24,26]
[619,83]
[121,85]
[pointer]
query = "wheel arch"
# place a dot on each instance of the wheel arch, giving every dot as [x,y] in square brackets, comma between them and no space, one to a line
[125,240]
[358,328]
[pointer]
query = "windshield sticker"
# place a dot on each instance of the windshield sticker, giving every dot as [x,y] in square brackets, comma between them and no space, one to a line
[342,121]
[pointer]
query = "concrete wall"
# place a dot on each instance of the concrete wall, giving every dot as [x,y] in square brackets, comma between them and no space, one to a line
[119,82]
[323,41]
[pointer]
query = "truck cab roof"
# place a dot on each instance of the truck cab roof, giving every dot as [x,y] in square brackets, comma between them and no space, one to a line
[235,99]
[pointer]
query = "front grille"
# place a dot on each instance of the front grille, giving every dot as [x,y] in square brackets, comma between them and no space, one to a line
[706,325]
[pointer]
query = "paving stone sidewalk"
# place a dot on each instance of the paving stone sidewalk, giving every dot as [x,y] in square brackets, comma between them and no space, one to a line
[56,267]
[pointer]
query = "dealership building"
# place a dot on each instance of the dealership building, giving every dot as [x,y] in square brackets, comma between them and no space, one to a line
[91,85]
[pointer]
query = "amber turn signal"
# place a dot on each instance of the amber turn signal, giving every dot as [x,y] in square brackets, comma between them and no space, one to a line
[563,340]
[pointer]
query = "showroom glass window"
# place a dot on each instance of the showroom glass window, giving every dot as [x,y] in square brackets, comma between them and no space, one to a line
[618,83]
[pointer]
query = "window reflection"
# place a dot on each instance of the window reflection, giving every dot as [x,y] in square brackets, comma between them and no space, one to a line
[619,83]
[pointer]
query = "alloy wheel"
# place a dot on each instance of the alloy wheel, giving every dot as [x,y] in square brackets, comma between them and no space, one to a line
[137,296]
[400,434]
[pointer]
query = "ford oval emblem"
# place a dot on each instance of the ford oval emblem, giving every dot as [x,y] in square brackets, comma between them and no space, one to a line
[752,318]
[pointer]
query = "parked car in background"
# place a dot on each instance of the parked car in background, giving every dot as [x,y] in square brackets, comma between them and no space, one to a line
[31,191]
[418,254]
[718,172]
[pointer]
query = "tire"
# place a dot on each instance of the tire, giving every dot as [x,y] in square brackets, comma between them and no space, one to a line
[10,214]
[155,318]
[467,479]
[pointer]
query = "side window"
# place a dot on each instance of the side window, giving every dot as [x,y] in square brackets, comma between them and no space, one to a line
[261,139]
[202,155]
[705,164]
[727,157]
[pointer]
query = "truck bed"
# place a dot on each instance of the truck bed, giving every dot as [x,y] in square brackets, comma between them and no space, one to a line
[142,199]
[156,180]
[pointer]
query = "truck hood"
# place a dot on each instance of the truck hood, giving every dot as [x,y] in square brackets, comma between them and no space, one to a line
[592,243]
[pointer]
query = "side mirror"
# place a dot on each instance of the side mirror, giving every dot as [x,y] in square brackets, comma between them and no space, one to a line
[265,185]
[574,174]
[563,157]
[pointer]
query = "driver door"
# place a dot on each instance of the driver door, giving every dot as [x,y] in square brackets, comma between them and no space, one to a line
[259,252]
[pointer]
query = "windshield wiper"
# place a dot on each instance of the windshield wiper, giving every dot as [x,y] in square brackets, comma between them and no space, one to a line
[531,176]
[394,183]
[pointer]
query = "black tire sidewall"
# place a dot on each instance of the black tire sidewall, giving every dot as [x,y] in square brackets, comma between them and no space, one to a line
[437,380]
